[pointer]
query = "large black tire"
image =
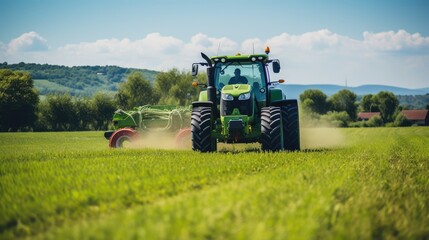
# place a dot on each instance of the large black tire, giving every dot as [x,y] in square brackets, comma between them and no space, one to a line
[201,128]
[290,119]
[271,129]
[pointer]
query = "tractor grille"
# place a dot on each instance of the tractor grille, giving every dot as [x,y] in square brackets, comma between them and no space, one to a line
[244,106]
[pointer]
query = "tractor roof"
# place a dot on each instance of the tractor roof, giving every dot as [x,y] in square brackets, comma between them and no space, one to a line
[239,57]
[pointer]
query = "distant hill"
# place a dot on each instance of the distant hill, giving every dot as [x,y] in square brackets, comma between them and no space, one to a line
[426,90]
[294,90]
[80,80]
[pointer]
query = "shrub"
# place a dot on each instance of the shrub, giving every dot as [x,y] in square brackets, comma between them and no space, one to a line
[401,121]
[336,119]
[375,121]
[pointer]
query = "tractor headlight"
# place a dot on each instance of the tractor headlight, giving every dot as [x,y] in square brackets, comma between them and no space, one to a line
[244,96]
[227,97]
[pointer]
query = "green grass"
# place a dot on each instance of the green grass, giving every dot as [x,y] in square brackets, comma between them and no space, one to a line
[368,184]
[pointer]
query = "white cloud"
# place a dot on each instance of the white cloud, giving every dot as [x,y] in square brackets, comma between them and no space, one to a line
[322,56]
[253,45]
[214,46]
[148,52]
[28,42]
[155,51]
[317,40]
[153,43]
[395,41]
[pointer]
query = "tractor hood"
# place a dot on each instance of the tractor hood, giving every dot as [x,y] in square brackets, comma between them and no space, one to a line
[236,99]
[236,89]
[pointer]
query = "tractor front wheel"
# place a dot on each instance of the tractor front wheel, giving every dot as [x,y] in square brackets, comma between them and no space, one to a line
[122,138]
[201,130]
[290,120]
[271,129]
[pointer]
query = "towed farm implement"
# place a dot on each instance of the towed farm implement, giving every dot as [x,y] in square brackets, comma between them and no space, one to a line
[134,124]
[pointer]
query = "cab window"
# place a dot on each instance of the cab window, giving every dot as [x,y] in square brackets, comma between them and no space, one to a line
[253,73]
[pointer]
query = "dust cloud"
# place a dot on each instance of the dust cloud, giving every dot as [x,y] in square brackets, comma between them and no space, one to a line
[312,138]
[317,134]
[321,138]
[314,135]
[160,140]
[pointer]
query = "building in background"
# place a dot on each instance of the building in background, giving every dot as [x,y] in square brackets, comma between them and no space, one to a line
[417,117]
[365,116]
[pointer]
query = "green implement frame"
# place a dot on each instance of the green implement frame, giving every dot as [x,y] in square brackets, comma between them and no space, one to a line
[133,123]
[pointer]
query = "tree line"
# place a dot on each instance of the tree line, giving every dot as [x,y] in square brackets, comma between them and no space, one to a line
[342,108]
[22,110]
[414,101]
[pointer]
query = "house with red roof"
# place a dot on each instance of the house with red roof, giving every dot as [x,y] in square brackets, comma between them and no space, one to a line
[365,116]
[418,117]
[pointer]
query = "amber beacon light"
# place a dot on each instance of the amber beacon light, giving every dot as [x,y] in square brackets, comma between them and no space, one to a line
[267,49]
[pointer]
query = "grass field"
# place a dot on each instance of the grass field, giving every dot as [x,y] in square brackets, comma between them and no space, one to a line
[365,184]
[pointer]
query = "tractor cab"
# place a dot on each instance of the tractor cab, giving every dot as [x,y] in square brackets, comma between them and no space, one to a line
[232,105]
[227,72]
[241,72]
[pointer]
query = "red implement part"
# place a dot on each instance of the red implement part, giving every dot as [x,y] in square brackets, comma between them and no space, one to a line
[183,138]
[122,136]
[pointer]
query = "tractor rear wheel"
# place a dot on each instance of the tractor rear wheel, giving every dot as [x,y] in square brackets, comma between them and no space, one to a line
[201,127]
[122,137]
[290,120]
[271,129]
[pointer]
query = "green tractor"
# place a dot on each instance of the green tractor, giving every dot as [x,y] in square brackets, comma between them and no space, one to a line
[240,104]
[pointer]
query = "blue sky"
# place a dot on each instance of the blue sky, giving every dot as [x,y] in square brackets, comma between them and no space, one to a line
[318,42]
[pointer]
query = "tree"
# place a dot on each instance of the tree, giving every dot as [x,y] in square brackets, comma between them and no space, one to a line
[43,117]
[387,103]
[85,113]
[375,121]
[62,112]
[18,100]
[336,119]
[314,100]
[175,87]
[164,81]
[104,107]
[401,121]
[135,91]
[367,103]
[344,100]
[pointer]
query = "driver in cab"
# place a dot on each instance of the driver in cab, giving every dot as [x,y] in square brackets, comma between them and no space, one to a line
[238,79]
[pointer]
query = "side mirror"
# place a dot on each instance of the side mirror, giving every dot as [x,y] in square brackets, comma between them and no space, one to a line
[276,66]
[194,69]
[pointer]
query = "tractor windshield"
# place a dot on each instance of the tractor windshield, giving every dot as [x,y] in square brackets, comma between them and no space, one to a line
[251,73]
